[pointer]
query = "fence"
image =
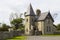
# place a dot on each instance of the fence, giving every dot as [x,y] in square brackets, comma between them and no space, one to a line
[6,34]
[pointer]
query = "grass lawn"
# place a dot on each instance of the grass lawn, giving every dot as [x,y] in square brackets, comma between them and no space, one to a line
[18,38]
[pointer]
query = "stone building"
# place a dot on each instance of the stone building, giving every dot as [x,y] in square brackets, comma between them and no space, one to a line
[39,23]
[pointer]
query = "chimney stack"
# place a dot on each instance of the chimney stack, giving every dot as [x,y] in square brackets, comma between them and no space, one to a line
[38,12]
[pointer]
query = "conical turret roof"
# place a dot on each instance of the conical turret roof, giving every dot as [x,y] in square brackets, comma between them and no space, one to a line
[30,11]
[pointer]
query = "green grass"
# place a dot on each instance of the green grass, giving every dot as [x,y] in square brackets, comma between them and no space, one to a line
[18,38]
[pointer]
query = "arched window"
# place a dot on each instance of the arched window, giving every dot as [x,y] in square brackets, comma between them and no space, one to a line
[26,20]
[26,30]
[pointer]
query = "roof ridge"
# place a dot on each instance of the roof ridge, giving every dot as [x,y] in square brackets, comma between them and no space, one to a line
[45,12]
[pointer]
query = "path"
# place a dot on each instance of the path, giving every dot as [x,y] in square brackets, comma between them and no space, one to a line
[43,37]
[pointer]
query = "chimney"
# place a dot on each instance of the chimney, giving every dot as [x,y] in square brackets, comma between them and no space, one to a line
[38,12]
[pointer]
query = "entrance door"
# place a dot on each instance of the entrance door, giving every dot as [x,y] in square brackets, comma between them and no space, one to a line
[34,30]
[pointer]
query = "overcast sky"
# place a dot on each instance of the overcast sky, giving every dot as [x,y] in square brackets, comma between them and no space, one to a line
[20,6]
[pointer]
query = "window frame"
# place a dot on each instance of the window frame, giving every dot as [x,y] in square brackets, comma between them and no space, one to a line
[48,29]
[26,20]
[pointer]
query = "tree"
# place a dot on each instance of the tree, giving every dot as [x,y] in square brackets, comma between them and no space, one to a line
[4,27]
[17,23]
[58,27]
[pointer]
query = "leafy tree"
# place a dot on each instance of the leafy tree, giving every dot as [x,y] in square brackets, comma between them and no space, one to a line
[17,23]
[4,27]
[58,27]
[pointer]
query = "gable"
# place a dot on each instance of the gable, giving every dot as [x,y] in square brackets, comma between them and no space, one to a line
[49,17]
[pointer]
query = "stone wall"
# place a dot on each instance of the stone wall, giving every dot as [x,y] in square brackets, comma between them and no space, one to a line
[57,33]
[6,34]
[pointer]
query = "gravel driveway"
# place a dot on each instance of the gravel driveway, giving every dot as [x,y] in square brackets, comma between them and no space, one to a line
[43,38]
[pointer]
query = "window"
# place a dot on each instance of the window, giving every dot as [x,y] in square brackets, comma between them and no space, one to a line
[29,27]
[48,29]
[26,30]
[48,21]
[26,20]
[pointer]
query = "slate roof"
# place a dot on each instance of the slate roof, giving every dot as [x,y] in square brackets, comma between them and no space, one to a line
[30,11]
[42,16]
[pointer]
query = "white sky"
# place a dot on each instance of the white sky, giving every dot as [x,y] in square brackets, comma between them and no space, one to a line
[20,6]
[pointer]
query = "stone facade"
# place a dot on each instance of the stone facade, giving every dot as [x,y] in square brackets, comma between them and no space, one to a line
[38,24]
